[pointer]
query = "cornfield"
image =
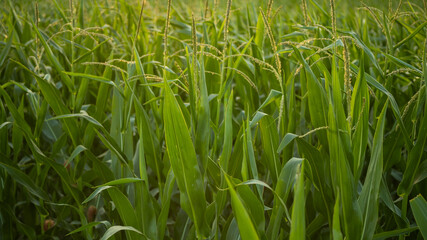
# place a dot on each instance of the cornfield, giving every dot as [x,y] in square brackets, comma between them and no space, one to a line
[213,119]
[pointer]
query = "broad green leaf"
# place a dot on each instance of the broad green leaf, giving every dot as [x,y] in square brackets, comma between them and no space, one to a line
[76,152]
[285,182]
[5,51]
[114,229]
[272,96]
[203,119]
[298,209]
[111,144]
[251,154]
[336,229]
[395,107]
[53,97]
[150,151]
[414,157]
[126,211]
[260,33]
[80,58]
[121,181]
[386,197]
[360,120]
[342,179]
[258,116]
[184,162]
[54,60]
[317,99]
[270,141]
[289,137]
[145,209]
[82,114]
[410,36]
[402,63]
[394,233]
[88,226]
[253,205]
[369,198]
[319,173]
[93,77]
[246,226]
[228,134]
[419,209]
[367,51]
[95,193]
[38,154]
[25,180]
[167,195]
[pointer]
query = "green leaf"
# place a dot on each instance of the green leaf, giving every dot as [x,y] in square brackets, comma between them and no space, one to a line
[272,96]
[270,141]
[342,179]
[402,63]
[53,97]
[320,175]
[244,222]
[289,137]
[414,157]
[114,229]
[258,116]
[369,197]
[360,120]
[419,209]
[88,226]
[95,193]
[395,107]
[82,114]
[77,60]
[228,133]
[367,51]
[336,229]
[76,152]
[285,182]
[5,51]
[203,119]
[184,162]
[54,60]
[259,37]
[126,211]
[167,195]
[298,209]
[95,78]
[394,233]
[253,205]
[121,181]
[317,98]
[25,181]
[415,32]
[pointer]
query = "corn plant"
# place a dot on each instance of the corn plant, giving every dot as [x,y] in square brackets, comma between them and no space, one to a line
[213,119]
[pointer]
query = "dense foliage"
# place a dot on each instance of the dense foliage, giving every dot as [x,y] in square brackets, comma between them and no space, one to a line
[213,120]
